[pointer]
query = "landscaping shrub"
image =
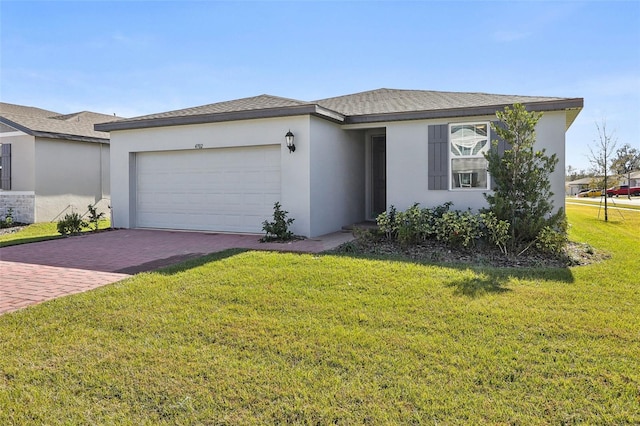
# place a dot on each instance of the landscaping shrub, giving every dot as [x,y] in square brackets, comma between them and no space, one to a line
[412,225]
[464,229]
[388,224]
[71,223]
[522,192]
[278,229]
[415,225]
[553,240]
[7,222]
[496,230]
[458,228]
[94,216]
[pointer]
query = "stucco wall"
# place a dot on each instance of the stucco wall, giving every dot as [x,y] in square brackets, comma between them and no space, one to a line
[324,182]
[550,135]
[70,176]
[337,177]
[23,176]
[407,173]
[295,166]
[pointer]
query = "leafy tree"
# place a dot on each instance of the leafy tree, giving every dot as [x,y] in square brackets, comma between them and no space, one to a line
[627,160]
[574,173]
[600,158]
[522,189]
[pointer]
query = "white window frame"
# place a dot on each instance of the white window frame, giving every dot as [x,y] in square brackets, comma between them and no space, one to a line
[479,155]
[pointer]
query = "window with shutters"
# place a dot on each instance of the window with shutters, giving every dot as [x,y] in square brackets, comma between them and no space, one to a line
[467,166]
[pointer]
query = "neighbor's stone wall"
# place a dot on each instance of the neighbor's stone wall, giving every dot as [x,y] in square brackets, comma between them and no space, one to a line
[22,203]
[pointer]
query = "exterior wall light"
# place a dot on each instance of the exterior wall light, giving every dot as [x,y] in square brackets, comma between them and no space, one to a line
[289,139]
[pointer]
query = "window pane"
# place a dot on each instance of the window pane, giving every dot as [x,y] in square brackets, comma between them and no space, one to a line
[469,139]
[469,173]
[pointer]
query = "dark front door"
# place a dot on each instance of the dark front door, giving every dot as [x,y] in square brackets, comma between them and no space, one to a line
[379,174]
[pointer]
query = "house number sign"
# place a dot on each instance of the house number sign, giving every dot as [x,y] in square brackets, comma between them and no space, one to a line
[198,146]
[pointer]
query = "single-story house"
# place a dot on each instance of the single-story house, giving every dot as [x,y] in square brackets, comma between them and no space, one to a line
[52,163]
[221,167]
[633,179]
[575,186]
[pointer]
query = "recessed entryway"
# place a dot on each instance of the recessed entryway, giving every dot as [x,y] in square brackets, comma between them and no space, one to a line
[378,175]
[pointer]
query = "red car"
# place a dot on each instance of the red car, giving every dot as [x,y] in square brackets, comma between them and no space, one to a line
[623,190]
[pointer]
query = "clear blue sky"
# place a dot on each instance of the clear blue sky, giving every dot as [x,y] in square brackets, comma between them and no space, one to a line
[135,58]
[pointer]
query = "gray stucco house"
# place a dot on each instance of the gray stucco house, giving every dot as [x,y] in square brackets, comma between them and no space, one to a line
[52,163]
[221,167]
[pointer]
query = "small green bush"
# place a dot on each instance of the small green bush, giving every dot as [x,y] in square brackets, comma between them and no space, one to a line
[94,216]
[463,229]
[496,230]
[388,224]
[71,224]
[412,225]
[278,230]
[7,222]
[553,240]
[458,228]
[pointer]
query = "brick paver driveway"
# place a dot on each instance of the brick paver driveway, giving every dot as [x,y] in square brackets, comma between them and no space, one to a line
[32,273]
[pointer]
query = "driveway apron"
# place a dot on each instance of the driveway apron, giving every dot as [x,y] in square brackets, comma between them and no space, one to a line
[33,273]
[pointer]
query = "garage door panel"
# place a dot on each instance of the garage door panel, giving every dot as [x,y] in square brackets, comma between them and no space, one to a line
[227,189]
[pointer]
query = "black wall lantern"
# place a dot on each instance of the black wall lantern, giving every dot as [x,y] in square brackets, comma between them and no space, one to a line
[289,139]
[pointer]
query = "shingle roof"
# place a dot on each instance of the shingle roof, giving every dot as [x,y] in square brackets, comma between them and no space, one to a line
[262,106]
[389,101]
[245,104]
[25,110]
[40,122]
[366,107]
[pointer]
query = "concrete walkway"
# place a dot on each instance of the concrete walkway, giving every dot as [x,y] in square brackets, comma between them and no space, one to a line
[32,273]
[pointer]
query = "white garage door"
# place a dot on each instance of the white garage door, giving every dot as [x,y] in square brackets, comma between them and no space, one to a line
[223,189]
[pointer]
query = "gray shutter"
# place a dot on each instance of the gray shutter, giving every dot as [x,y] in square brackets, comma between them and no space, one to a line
[438,161]
[5,179]
[502,144]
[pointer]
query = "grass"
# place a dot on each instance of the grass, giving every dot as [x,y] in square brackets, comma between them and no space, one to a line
[39,232]
[599,202]
[263,338]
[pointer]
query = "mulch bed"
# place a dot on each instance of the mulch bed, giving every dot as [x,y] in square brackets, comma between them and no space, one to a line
[12,229]
[433,251]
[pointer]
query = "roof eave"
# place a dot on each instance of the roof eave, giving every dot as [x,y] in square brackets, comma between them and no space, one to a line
[574,104]
[311,109]
[16,126]
[65,136]
[52,135]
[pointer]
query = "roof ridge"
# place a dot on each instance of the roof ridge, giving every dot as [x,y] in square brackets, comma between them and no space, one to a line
[17,109]
[387,90]
[67,117]
[281,97]
[206,109]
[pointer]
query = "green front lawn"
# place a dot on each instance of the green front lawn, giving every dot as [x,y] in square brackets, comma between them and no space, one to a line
[260,337]
[612,203]
[39,232]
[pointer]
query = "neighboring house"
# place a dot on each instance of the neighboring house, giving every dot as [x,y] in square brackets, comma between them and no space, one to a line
[221,167]
[575,186]
[52,163]
[635,178]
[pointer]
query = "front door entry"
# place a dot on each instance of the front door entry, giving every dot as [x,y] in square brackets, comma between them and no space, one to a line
[378,174]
